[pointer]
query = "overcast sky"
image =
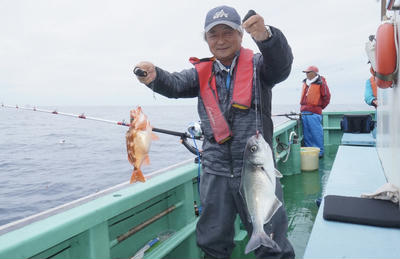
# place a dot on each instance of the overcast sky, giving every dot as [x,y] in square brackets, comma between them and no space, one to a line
[83,52]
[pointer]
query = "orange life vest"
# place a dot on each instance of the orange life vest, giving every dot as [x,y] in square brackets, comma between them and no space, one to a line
[242,91]
[311,94]
[373,85]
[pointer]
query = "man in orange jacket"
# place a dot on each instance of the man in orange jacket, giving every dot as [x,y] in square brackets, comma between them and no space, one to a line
[315,97]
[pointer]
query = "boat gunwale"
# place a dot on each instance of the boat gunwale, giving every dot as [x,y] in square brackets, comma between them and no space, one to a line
[14,225]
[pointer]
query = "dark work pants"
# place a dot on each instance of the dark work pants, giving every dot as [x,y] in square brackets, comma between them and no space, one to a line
[221,201]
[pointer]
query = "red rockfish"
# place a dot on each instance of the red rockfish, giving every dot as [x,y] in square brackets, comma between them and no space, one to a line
[138,141]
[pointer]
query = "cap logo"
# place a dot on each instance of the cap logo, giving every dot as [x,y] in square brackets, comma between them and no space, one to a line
[220,14]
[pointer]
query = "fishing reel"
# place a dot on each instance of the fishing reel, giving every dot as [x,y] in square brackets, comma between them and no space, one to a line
[194,129]
[193,132]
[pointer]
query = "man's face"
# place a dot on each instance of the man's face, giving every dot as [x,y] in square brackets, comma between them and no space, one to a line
[310,75]
[224,42]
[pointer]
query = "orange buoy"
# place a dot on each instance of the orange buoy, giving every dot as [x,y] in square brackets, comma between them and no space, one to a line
[385,55]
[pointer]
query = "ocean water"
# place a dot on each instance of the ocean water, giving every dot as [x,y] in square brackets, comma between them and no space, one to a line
[47,160]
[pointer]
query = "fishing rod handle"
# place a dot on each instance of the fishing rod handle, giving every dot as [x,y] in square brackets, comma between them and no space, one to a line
[192,149]
[249,14]
[139,72]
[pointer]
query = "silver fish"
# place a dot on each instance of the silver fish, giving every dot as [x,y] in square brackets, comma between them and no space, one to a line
[258,190]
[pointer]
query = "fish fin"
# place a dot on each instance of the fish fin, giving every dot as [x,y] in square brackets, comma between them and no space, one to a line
[275,206]
[260,238]
[131,158]
[154,136]
[137,175]
[146,160]
[278,174]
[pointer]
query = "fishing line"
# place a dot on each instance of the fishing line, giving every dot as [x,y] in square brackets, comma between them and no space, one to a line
[247,16]
[255,96]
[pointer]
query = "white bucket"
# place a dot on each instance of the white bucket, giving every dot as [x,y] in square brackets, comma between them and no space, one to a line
[309,158]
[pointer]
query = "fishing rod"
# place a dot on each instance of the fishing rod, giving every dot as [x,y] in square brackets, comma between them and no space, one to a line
[80,116]
[290,114]
[193,129]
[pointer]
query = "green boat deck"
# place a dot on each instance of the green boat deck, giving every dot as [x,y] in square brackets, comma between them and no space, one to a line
[300,194]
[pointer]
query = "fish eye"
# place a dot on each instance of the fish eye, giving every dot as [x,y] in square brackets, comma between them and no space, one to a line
[253,149]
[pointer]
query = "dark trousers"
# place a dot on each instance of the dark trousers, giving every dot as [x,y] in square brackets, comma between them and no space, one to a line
[221,201]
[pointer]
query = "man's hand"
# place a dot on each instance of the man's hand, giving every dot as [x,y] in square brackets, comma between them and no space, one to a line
[254,25]
[150,69]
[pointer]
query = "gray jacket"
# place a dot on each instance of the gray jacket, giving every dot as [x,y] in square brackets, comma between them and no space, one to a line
[271,66]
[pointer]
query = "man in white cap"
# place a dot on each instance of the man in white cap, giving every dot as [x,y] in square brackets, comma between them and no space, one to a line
[234,101]
[314,98]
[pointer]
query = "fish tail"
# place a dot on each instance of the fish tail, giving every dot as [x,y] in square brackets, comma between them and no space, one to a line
[137,175]
[260,238]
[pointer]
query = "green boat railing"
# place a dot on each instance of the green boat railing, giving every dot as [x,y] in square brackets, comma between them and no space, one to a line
[286,143]
[119,223]
[332,131]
